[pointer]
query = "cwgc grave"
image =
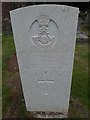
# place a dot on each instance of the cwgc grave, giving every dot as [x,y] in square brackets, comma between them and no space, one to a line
[45,37]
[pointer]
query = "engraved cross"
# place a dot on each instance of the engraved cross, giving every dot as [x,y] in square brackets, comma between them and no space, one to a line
[46,82]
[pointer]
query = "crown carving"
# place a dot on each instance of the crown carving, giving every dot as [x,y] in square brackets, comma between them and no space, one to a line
[43,20]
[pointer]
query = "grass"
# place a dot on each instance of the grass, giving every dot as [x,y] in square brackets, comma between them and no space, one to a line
[6,97]
[86,28]
[0,77]
[79,79]
[8,47]
[80,74]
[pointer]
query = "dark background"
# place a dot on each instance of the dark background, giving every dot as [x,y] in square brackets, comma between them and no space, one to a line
[7,6]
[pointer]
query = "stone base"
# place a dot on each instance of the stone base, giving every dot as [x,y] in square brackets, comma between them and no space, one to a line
[49,115]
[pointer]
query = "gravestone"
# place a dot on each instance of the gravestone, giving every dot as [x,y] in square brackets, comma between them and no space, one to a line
[45,37]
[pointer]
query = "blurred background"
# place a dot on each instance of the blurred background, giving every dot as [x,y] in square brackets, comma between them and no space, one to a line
[83,21]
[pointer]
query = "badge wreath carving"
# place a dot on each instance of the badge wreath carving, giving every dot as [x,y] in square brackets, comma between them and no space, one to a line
[44,39]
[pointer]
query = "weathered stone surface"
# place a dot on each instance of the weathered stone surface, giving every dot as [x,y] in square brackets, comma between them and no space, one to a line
[45,37]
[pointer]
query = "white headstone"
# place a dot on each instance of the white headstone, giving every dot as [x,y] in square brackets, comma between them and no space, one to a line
[45,37]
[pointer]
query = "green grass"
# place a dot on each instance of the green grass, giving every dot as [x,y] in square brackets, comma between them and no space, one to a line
[6,97]
[80,73]
[86,28]
[0,55]
[21,109]
[0,78]
[8,47]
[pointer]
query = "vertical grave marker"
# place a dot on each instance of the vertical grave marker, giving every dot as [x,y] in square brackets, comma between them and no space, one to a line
[45,37]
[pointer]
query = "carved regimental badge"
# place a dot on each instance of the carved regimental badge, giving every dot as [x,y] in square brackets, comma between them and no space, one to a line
[43,39]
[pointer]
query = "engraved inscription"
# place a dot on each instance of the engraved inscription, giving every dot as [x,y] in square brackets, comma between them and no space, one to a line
[46,82]
[43,38]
